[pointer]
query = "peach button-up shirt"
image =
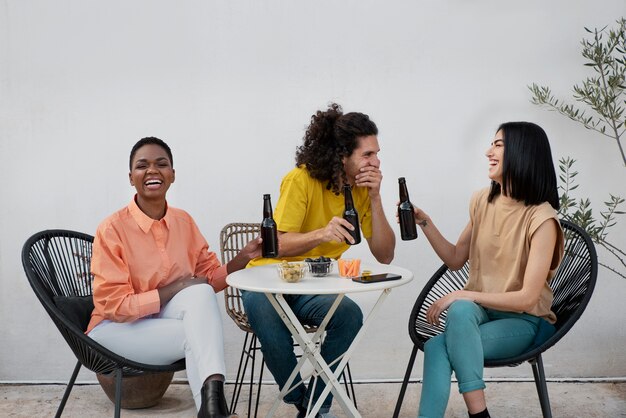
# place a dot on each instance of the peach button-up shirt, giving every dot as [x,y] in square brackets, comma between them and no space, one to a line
[134,255]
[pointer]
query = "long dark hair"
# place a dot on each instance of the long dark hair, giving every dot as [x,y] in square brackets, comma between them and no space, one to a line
[527,170]
[331,136]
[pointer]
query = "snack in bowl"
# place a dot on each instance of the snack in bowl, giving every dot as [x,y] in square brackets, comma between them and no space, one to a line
[349,267]
[291,272]
[320,267]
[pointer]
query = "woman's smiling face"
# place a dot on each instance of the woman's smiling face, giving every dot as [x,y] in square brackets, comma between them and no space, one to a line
[495,155]
[151,173]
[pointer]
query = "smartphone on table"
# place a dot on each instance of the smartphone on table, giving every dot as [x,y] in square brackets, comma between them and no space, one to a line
[373,278]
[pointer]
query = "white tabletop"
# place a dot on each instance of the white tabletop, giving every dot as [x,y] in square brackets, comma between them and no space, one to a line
[265,279]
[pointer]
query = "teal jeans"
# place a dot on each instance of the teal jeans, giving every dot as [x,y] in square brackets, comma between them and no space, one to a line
[473,334]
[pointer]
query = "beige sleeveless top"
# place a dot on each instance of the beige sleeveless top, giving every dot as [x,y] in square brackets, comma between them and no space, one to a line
[501,234]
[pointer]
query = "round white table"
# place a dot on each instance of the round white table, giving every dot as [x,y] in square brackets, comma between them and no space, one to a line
[265,279]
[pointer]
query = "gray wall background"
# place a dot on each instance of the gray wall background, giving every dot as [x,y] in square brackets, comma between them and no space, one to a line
[231,87]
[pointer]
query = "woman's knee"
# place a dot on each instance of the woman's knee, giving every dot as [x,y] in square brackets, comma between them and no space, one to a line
[462,310]
[436,343]
[199,293]
[198,298]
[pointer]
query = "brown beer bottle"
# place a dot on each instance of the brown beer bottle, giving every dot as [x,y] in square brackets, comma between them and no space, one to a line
[351,215]
[269,233]
[408,229]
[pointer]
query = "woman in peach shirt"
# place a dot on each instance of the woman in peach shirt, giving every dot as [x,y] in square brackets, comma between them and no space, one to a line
[155,282]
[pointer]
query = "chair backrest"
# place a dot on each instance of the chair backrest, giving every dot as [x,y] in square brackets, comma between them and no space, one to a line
[57,265]
[572,286]
[57,262]
[576,278]
[233,237]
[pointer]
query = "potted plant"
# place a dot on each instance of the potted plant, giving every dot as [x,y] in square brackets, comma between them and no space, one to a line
[600,108]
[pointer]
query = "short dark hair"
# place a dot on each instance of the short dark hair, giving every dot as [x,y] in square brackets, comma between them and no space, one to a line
[331,136]
[146,141]
[527,171]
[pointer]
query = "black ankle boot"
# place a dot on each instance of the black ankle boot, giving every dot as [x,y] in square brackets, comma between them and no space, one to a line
[482,414]
[213,401]
[301,411]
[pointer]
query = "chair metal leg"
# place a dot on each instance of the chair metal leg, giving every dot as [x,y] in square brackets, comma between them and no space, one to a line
[68,389]
[249,350]
[542,387]
[248,353]
[405,382]
[118,392]
[346,374]
[258,393]
[241,371]
[252,348]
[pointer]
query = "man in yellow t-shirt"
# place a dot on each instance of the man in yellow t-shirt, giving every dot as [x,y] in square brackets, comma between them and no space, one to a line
[338,149]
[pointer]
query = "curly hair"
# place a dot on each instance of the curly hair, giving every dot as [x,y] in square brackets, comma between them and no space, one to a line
[330,137]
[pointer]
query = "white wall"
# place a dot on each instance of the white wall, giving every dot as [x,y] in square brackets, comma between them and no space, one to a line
[230,85]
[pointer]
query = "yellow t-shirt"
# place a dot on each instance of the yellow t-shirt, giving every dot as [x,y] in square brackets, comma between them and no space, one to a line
[305,204]
[501,234]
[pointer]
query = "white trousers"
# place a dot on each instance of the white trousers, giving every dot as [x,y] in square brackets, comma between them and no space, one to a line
[189,325]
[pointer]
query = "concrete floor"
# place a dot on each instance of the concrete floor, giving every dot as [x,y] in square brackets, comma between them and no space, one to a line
[518,399]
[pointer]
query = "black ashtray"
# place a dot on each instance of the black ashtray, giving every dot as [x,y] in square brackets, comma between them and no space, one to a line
[319,267]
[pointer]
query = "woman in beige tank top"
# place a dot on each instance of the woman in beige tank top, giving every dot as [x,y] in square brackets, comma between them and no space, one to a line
[514,243]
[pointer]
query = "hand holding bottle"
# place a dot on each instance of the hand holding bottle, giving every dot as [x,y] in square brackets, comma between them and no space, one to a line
[337,230]
[421,218]
[252,249]
[406,216]
[269,232]
[351,215]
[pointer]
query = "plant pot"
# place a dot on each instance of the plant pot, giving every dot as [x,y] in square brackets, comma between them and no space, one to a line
[141,391]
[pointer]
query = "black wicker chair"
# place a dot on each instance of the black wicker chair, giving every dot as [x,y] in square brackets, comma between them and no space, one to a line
[57,264]
[233,237]
[572,285]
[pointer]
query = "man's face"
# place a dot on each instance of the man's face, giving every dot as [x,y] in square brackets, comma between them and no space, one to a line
[365,154]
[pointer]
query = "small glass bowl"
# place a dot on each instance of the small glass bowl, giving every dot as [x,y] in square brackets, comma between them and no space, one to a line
[320,268]
[291,272]
[349,267]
